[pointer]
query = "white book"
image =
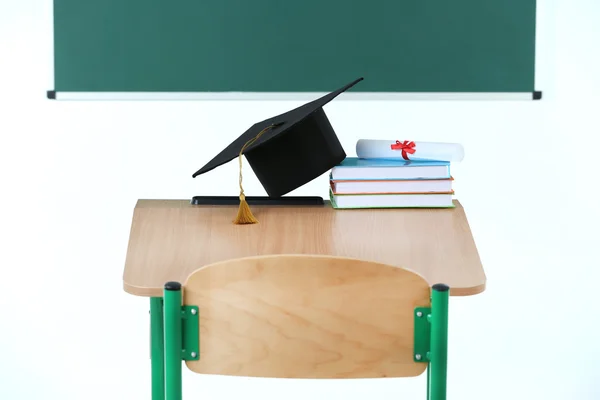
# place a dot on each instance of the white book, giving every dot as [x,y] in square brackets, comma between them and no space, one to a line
[391,200]
[392,186]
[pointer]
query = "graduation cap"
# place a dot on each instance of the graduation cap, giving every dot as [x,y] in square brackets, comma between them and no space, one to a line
[286,151]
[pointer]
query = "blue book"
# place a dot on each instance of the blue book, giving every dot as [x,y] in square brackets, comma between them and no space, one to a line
[354,168]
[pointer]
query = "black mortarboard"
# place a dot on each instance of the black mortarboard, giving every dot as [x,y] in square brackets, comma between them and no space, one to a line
[289,150]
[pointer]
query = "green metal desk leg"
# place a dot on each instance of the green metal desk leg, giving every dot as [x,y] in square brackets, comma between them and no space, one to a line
[157,346]
[439,342]
[173,347]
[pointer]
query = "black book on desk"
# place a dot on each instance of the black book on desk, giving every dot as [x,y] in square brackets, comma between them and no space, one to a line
[258,201]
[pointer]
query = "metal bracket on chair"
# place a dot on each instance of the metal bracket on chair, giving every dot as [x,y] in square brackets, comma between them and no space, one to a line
[422,339]
[190,332]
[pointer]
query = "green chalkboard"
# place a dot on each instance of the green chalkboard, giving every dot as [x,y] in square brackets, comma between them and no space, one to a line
[294,46]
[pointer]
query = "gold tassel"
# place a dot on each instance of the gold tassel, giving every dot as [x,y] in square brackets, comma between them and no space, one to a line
[245,215]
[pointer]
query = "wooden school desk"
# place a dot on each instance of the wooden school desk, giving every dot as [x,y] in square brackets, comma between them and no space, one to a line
[171,240]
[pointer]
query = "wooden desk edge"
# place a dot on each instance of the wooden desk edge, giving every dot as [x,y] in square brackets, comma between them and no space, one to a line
[181,203]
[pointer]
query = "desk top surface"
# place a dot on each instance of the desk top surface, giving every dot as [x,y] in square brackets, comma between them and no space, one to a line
[170,239]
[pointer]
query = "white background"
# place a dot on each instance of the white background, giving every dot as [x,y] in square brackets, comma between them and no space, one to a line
[72,172]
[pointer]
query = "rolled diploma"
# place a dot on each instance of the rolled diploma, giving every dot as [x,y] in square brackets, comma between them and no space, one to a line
[368,148]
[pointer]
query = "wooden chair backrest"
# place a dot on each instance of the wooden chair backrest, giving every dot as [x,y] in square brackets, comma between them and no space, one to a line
[303,316]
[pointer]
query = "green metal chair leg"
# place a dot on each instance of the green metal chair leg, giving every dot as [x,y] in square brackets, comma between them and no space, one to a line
[173,348]
[438,358]
[428,381]
[157,348]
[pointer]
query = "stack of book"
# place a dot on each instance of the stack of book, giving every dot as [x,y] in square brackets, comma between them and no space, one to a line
[380,183]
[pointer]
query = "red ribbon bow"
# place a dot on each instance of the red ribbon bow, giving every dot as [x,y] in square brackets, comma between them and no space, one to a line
[406,147]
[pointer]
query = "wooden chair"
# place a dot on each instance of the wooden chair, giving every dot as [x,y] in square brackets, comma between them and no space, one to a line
[300,316]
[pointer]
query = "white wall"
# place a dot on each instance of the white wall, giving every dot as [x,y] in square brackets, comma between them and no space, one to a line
[71,173]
